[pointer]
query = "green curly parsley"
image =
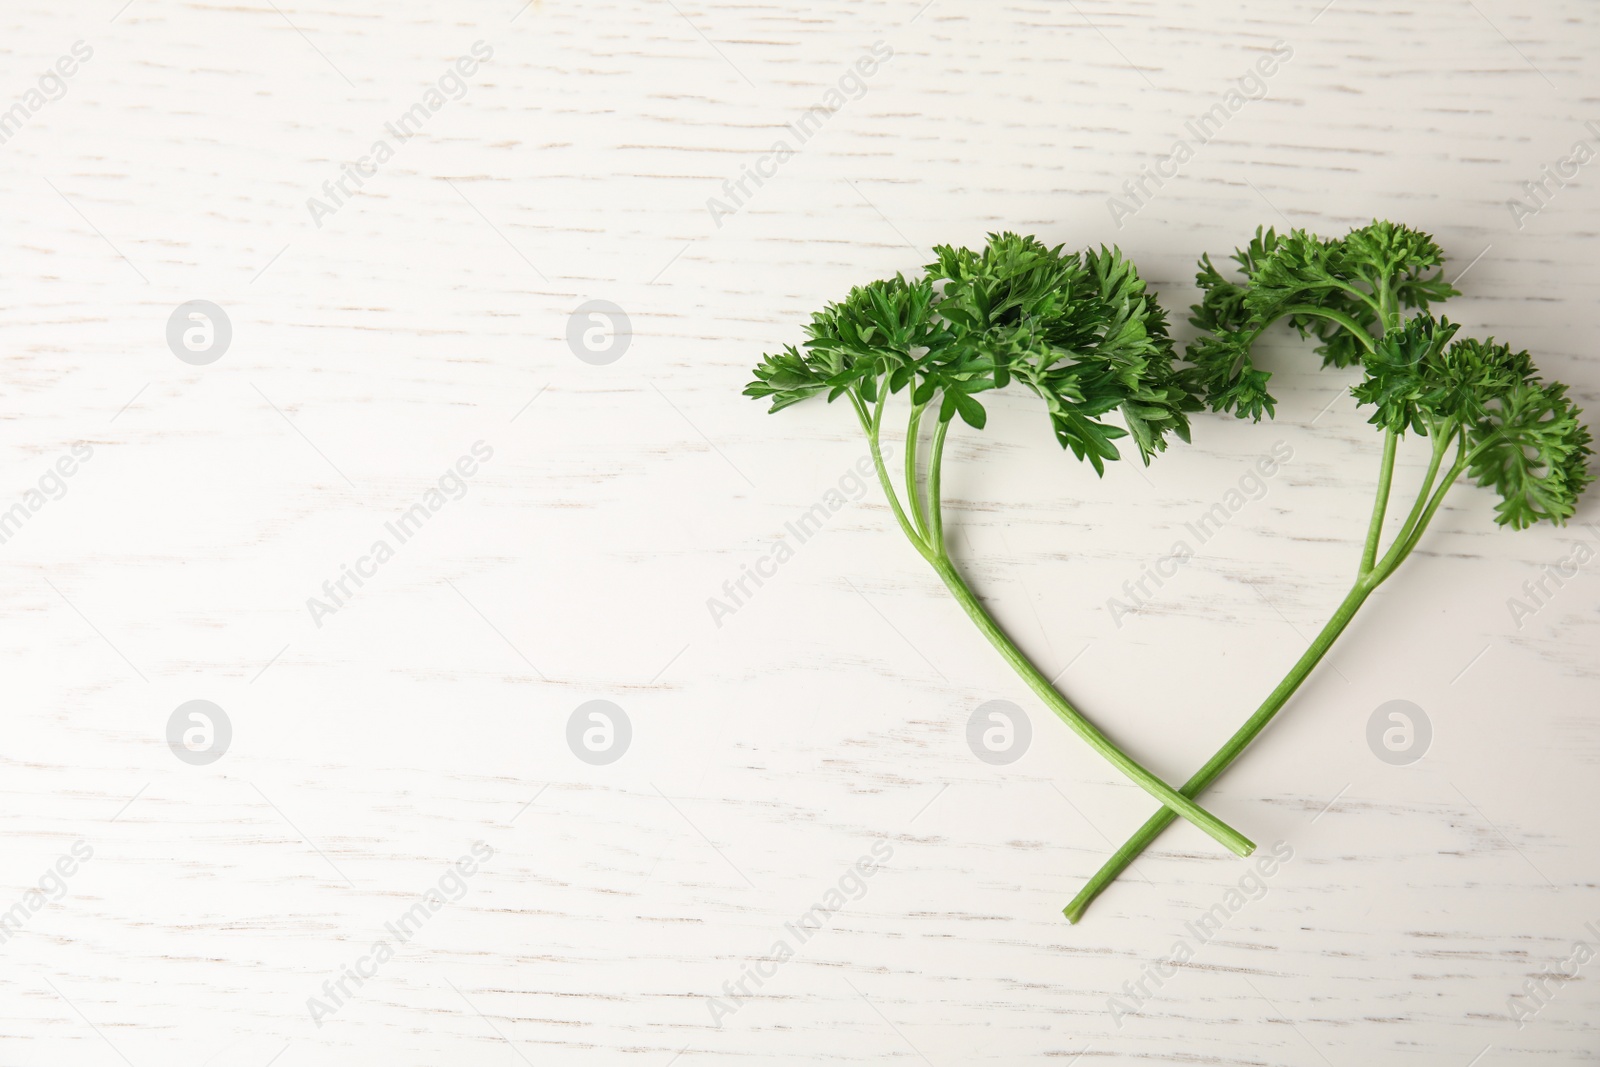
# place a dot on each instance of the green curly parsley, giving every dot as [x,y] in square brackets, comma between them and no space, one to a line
[1079,330]
[1481,405]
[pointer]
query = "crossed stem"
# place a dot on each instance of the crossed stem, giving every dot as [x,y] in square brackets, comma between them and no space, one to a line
[922,521]
[1371,573]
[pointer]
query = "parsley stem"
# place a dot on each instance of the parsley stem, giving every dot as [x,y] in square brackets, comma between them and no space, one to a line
[1369,552]
[1146,834]
[1046,692]
[1441,444]
[1366,298]
[1332,316]
[1402,548]
[1356,329]
[1388,306]
[870,427]
[914,446]
[1427,504]
[935,498]
[930,546]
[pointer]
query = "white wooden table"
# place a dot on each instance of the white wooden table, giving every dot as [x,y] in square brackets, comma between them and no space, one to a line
[379,334]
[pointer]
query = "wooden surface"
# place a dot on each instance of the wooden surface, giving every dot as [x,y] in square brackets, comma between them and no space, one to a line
[828,714]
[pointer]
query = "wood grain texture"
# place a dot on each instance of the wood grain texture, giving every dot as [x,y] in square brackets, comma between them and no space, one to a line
[431,311]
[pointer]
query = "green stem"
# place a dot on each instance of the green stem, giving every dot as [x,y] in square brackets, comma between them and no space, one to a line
[1371,574]
[1388,306]
[1441,445]
[1369,552]
[1332,316]
[1229,752]
[1422,513]
[1402,548]
[913,446]
[935,497]
[931,548]
[1364,297]
[1354,327]
[870,427]
[1046,692]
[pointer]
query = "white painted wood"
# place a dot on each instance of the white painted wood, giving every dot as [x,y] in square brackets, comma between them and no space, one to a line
[430,312]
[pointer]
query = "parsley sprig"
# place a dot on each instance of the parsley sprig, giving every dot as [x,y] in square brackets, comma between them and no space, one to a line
[1482,407]
[1079,330]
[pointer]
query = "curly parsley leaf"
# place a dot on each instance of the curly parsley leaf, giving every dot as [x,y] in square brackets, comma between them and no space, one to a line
[1323,286]
[1080,330]
[1510,431]
[1531,447]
